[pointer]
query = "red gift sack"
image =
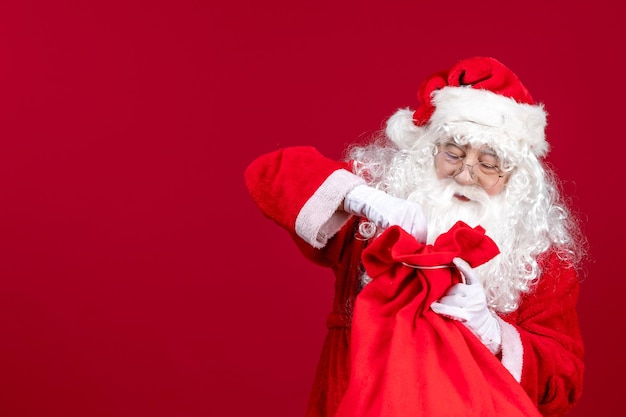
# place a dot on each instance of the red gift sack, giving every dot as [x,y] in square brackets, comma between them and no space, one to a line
[406,359]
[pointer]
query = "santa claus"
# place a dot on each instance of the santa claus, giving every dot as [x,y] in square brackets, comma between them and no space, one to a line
[473,152]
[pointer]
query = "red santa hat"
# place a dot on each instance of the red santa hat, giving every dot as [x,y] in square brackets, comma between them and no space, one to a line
[477,97]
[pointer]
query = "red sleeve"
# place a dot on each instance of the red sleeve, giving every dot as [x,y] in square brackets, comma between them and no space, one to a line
[547,322]
[300,190]
[282,181]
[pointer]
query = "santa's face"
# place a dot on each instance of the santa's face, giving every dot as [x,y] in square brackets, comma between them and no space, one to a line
[469,167]
[466,184]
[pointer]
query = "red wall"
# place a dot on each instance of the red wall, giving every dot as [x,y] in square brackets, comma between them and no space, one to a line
[137,278]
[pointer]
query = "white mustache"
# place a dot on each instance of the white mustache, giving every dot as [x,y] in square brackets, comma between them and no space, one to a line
[472,192]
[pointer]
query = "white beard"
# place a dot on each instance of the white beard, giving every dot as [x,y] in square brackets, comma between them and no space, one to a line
[443,209]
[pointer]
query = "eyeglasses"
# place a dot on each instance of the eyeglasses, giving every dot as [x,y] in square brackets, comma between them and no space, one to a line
[484,174]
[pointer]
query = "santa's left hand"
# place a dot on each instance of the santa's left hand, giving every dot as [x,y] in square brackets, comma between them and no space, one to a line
[467,303]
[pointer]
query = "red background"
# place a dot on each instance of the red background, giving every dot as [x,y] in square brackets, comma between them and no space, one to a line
[137,278]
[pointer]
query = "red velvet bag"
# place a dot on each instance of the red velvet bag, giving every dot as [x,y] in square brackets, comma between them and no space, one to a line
[406,359]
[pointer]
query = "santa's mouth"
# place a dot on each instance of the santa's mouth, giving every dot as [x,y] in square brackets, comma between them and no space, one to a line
[461,197]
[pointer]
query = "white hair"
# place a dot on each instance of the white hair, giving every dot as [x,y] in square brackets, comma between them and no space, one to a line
[526,220]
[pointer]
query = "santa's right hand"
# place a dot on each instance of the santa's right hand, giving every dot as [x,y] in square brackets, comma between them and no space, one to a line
[385,210]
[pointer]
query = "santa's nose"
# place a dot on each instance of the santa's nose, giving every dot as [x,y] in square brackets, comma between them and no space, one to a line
[465,176]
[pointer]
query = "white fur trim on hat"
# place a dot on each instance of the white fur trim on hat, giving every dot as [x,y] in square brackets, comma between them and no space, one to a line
[522,124]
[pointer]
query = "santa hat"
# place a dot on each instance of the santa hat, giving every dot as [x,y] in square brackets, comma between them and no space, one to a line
[477,98]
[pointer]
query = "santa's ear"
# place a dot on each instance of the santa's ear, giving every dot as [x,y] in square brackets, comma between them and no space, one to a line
[401,130]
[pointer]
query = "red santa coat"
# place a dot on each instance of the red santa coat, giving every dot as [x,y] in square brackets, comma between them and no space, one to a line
[301,190]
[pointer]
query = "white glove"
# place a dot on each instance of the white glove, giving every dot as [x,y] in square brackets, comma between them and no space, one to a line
[467,303]
[384,210]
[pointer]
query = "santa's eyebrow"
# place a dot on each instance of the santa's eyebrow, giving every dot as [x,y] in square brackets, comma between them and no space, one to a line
[452,142]
[484,150]
[489,151]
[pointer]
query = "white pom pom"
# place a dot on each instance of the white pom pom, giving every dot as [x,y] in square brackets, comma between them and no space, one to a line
[401,130]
